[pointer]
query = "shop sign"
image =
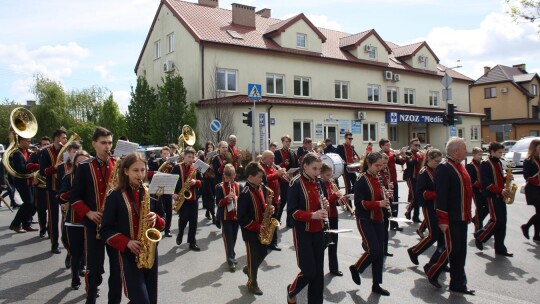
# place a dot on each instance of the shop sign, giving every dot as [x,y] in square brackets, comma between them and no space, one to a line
[396,117]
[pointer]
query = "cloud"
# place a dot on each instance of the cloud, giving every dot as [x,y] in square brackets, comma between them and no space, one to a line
[122,98]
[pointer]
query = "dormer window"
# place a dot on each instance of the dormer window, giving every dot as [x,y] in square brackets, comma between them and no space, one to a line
[301,41]
[372,53]
[423,61]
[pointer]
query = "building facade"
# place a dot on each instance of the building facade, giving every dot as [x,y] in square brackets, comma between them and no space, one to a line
[508,96]
[316,82]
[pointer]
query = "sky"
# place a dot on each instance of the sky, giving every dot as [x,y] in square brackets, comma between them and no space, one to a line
[97,42]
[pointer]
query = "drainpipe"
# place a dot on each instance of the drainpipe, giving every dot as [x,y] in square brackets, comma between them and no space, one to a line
[269,137]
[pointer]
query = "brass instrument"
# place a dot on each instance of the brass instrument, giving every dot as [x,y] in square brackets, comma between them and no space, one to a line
[320,146]
[72,138]
[24,124]
[285,176]
[147,236]
[167,166]
[269,224]
[234,200]
[111,185]
[184,193]
[510,187]
[342,201]
[187,137]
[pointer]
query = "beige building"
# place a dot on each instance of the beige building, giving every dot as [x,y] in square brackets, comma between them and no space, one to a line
[316,82]
[508,96]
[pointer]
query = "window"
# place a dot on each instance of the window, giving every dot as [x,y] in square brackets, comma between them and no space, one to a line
[490,93]
[408,96]
[301,40]
[342,90]
[475,132]
[301,86]
[533,133]
[301,129]
[170,43]
[226,80]
[373,92]
[393,133]
[157,49]
[424,62]
[372,53]
[274,84]
[535,112]
[487,112]
[461,132]
[534,90]
[369,132]
[392,94]
[434,99]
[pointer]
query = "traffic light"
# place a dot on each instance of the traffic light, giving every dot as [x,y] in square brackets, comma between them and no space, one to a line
[249,118]
[450,115]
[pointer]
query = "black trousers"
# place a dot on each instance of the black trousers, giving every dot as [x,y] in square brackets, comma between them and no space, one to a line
[188,214]
[40,200]
[349,179]
[256,252]
[24,214]
[53,208]
[386,226]
[481,211]
[332,249]
[535,221]
[283,193]
[209,195]
[413,208]
[95,257]
[64,237]
[75,238]
[496,226]
[373,236]
[395,207]
[229,232]
[140,284]
[435,234]
[166,200]
[309,248]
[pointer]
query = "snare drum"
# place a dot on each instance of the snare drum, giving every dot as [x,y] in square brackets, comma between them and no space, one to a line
[335,162]
[353,168]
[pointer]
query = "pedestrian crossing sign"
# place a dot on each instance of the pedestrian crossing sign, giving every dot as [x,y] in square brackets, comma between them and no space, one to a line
[254,91]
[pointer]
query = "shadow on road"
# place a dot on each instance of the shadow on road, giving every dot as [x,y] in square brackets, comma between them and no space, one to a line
[21,292]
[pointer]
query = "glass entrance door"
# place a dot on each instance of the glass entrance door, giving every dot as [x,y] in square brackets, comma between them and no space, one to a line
[330,131]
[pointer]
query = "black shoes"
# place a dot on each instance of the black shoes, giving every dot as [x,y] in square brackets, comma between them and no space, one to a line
[446,268]
[75,285]
[355,275]
[378,289]
[388,254]
[254,289]
[416,220]
[179,237]
[434,282]
[506,254]
[168,234]
[397,228]
[478,244]
[207,215]
[525,231]
[30,228]
[55,250]
[232,267]
[408,215]
[274,247]
[412,256]
[194,247]
[464,290]
[336,273]
[17,229]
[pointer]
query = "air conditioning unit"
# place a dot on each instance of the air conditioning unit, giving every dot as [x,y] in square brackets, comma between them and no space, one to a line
[397,77]
[504,90]
[367,48]
[422,58]
[168,66]
[361,115]
[388,75]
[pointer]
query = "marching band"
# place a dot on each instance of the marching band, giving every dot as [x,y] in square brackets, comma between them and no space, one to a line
[107,206]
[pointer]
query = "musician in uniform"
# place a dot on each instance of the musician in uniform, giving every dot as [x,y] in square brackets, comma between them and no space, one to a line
[493,185]
[48,168]
[425,192]
[348,154]
[329,147]
[481,208]
[121,221]
[40,188]
[87,198]
[250,212]
[227,193]
[414,161]
[23,219]
[189,210]
[73,222]
[152,161]
[166,199]
[453,198]
[234,152]
[369,199]
[208,187]
[531,171]
[271,179]
[305,148]
[285,158]
[393,159]
[384,177]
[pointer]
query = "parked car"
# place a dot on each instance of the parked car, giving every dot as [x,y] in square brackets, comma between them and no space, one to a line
[485,146]
[521,147]
[147,149]
[508,144]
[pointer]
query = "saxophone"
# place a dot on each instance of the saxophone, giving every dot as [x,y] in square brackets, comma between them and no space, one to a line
[184,193]
[148,236]
[269,223]
[510,187]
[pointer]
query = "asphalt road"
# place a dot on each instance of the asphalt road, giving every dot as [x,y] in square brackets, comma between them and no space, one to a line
[29,273]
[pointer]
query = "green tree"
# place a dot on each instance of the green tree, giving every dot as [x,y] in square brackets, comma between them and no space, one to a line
[86,104]
[111,118]
[143,99]
[524,10]
[6,107]
[85,130]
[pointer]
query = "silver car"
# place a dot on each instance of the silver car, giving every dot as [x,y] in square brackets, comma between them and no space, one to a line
[522,148]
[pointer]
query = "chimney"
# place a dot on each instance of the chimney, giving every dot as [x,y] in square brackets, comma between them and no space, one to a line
[520,67]
[210,3]
[486,70]
[243,15]
[265,12]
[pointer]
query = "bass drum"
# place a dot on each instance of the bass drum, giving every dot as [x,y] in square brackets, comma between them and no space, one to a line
[335,162]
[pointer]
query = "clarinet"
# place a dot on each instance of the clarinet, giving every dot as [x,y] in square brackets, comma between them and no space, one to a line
[326,223]
[387,211]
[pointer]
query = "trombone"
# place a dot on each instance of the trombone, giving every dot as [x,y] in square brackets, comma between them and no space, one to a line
[342,201]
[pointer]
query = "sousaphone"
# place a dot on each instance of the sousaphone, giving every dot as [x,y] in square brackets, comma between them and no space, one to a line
[24,124]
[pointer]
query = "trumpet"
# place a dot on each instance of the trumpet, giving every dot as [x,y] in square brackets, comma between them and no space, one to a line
[342,201]
[285,176]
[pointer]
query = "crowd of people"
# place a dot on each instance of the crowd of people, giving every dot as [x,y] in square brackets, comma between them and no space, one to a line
[105,205]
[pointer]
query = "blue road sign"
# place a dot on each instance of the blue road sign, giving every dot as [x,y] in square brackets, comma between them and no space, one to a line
[215,125]
[254,90]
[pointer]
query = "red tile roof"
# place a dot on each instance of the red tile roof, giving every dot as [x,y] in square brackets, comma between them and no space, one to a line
[280,27]
[411,50]
[352,41]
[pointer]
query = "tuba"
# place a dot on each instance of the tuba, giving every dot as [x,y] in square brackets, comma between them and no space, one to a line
[269,223]
[187,138]
[509,186]
[24,124]
[72,138]
[148,236]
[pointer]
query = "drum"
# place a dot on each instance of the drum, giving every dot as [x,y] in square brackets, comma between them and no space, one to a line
[353,168]
[335,162]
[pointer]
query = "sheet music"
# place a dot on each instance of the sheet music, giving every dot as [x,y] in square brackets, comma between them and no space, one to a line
[124,148]
[173,159]
[399,220]
[211,154]
[339,230]
[201,166]
[164,181]
[292,170]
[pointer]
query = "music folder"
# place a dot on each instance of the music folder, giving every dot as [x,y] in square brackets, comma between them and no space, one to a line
[163,183]
[124,148]
[201,166]
[339,230]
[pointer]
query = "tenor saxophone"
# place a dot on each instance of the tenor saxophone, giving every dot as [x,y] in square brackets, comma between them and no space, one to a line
[268,223]
[510,187]
[148,236]
[184,193]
